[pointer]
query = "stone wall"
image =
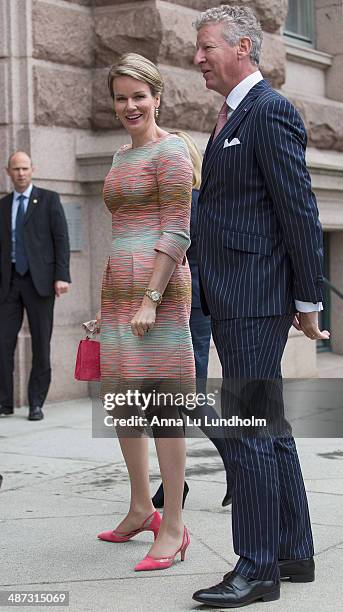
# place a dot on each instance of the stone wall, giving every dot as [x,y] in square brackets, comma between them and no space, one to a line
[73,44]
[323,120]
[329,22]
[164,32]
[271,13]
[62,34]
[83,38]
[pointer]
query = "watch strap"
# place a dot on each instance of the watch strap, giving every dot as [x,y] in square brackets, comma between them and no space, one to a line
[153,294]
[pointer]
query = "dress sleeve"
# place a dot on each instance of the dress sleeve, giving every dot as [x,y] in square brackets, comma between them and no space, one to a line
[174,178]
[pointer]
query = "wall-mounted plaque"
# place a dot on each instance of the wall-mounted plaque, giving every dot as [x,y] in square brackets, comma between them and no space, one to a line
[73,213]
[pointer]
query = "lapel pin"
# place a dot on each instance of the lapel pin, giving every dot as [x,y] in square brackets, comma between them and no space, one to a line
[35,201]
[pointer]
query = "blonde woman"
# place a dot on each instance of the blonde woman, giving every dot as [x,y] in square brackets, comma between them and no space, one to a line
[146,295]
[200,325]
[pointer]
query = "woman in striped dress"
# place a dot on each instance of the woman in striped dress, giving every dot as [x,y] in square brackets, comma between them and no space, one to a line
[146,295]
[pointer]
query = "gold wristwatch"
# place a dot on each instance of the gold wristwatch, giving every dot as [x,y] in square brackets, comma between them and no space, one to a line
[154,295]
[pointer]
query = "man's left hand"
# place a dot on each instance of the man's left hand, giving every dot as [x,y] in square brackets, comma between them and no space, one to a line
[61,287]
[307,322]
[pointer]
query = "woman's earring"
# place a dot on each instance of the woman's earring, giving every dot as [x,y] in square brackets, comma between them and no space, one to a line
[117,116]
[157,112]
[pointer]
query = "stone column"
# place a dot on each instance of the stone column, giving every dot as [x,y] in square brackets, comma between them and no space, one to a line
[16,103]
[16,118]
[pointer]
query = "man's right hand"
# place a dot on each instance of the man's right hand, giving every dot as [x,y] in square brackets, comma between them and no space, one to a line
[307,322]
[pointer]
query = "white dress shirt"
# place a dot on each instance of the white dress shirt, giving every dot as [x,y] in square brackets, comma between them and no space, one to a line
[15,206]
[233,100]
[239,92]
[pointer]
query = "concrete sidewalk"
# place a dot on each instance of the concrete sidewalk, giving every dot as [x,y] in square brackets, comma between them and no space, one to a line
[61,487]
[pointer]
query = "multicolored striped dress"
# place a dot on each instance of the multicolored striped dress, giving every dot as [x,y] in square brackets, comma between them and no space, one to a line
[148,192]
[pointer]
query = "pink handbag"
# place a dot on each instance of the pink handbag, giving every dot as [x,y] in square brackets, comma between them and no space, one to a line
[87,366]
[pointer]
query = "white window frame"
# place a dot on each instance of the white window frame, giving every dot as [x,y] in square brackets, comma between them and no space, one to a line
[308,41]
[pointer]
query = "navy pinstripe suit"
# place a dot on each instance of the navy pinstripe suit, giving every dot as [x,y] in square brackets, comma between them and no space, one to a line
[259,249]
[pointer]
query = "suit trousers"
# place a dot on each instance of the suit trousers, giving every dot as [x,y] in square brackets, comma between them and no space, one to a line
[200,326]
[270,515]
[23,295]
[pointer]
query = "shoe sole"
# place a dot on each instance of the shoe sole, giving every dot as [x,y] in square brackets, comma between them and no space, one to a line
[299,578]
[274,596]
[113,541]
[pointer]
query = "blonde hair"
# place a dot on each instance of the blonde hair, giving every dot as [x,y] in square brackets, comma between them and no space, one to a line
[195,156]
[137,67]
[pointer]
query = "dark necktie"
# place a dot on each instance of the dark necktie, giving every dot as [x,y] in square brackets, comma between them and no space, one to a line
[21,261]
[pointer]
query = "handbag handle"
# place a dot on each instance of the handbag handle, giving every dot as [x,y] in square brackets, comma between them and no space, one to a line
[91,328]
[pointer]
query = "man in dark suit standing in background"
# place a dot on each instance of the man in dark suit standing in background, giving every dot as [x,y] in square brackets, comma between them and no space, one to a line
[260,261]
[34,267]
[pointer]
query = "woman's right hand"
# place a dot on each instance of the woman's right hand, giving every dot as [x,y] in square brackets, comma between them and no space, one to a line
[98,321]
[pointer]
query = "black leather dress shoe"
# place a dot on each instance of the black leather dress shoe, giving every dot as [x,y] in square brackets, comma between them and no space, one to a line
[297,570]
[227,500]
[36,414]
[294,570]
[5,410]
[236,591]
[158,499]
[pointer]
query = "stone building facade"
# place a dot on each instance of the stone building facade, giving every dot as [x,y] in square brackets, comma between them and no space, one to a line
[54,58]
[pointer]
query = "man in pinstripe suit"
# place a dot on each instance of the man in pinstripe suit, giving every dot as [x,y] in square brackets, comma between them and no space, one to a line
[260,261]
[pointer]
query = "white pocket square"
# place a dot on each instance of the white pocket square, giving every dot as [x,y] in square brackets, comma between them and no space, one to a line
[233,143]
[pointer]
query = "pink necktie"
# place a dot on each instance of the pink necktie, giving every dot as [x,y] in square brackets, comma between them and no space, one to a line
[222,119]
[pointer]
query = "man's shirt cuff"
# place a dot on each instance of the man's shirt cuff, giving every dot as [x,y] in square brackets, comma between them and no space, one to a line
[308,306]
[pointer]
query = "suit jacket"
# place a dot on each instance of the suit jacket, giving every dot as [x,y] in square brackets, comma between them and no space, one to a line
[259,237]
[46,241]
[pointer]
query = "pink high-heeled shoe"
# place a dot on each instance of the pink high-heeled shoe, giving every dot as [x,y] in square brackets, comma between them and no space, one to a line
[150,563]
[152,523]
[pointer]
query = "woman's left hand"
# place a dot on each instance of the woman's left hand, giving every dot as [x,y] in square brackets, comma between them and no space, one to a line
[144,319]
